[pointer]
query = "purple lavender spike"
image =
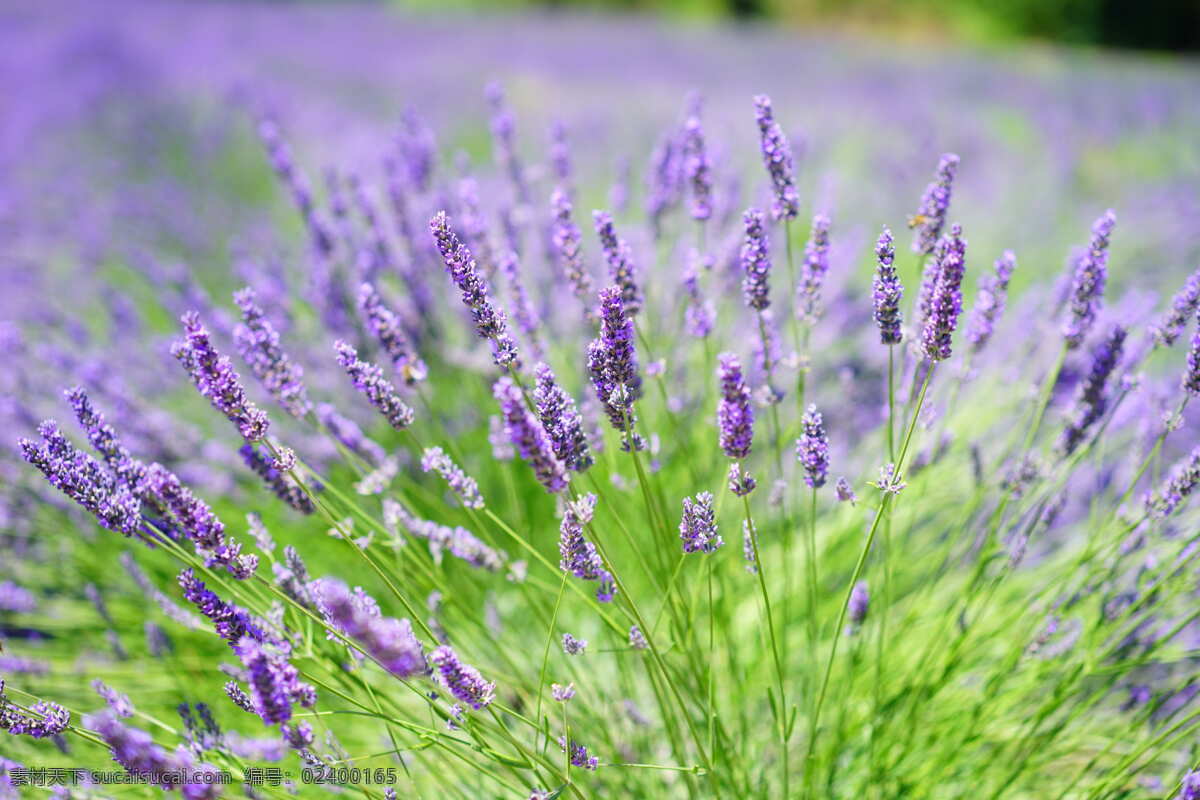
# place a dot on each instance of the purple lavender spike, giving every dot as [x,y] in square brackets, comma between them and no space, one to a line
[560,154]
[44,719]
[104,439]
[215,379]
[613,366]
[1092,400]
[887,290]
[369,380]
[697,168]
[663,181]
[577,555]
[813,270]
[504,144]
[621,269]
[1087,284]
[459,542]
[230,622]
[1183,309]
[389,330]
[859,603]
[735,413]
[566,237]
[274,683]
[276,480]
[935,202]
[812,448]
[258,344]
[777,158]
[347,432]
[559,416]
[946,299]
[527,434]
[698,527]
[756,261]
[522,307]
[463,680]
[700,314]
[460,266]
[388,640]
[989,305]
[579,754]
[464,486]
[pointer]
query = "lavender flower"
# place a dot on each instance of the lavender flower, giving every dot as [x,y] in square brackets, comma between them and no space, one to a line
[230,622]
[989,305]
[741,482]
[258,343]
[697,168]
[81,478]
[1092,400]
[275,477]
[748,552]
[1182,481]
[135,750]
[1183,309]
[613,366]
[389,330]
[369,380]
[460,266]
[935,202]
[559,416]
[1087,284]
[756,261]
[274,683]
[888,290]
[859,603]
[946,300]
[572,646]
[560,693]
[347,432]
[664,181]
[579,754]
[813,270]
[463,681]
[698,527]
[699,316]
[434,458]
[566,238]
[460,542]
[44,718]
[239,697]
[528,436]
[389,641]
[14,599]
[522,307]
[117,702]
[620,262]
[1191,377]
[845,493]
[637,639]
[777,158]
[1189,787]
[735,413]
[560,153]
[104,440]
[812,448]
[577,555]
[215,379]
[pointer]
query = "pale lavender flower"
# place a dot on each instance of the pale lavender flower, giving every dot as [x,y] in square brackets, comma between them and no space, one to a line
[735,412]
[1087,283]
[579,754]
[562,693]
[276,479]
[664,181]
[572,646]
[528,436]
[741,482]
[368,379]
[813,270]
[613,366]
[637,639]
[701,312]
[777,158]
[566,238]
[215,379]
[845,493]
[14,599]
[389,641]
[389,330]
[258,343]
[1179,485]
[989,304]
[621,269]
[464,486]
[698,527]
[748,549]
[117,701]
[859,603]
[756,261]
[347,432]
[931,215]
[697,168]
[1183,310]
[560,153]
[577,555]
[812,448]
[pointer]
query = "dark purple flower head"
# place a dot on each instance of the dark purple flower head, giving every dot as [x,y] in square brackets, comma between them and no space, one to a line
[697,168]
[859,603]
[735,413]
[463,680]
[946,300]
[756,261]
[369,380]
[1184,477]
[1183,310]
[777,158]
[528,436]
[389,330]
[1087,284]
[559,416]
[813,270]
[579,754]
[812,448]
[276,480]
[1093,396]
[44,719]
[931,216]
[258,343]
[1191,377]
[612,363]
[621,269]
[887,290]
[460,266]
[567,238]
[389,641]
[230,622]
[572,646]
[698,527]
[274,683]
[989,305]
[83,479]
[214,377]
[577,555]
[104,440]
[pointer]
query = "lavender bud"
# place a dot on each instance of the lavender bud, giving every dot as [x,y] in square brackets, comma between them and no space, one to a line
[887,290]
[566,237]
[215,379]
[579,755]
[698,528]
[289,491]
[946,299]
[1087,284]
[559,416]
[812,448]
[777,158]
[859,602]
[463,681]
[935,202]
[528,436]
[1183,308]
[464,486]
[368,379]
[696,167]
[756,261]
[845,493]
[620,262]
[813,270]
[1092,400]
[748,549]
[735,413]
[258,343]
[989,304]
[740,482]
[389,330]
[572,646]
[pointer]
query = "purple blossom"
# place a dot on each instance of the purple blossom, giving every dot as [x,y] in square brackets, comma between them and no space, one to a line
[464,486]
[389,330]
[258,343]
[1092,400]
[567,238]
[700,313]
[697,168]
[389,641]
[559,416]
[560,693]
[845,492]
[347,432]
[698,527]
[989,304]
[368,379]
[460,542]
[577,555]
[613,366]
[637,639]
[275,477]
[812,448]
[1087,284]
[104,439]
[572,646]
[859,603]
[528,436]
[522,307]
[274,683]
[44,718]
[463,680]
[460,266]
[935,202]
[740,481]
[230,622]
[14,599]
[664,180]
[215,378]
[1189,787]
[621,269]
[579,754]
[1182,481]
[735,413]
[946,299]
[887,290]
[1191,377]
[756,261]
[1183,310]
[813,270]
[560,153]
[117,701]
[777,158]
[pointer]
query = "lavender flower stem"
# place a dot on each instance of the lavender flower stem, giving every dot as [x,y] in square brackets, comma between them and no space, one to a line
[858,570]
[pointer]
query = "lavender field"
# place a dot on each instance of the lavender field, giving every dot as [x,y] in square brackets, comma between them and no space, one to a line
[554,406]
